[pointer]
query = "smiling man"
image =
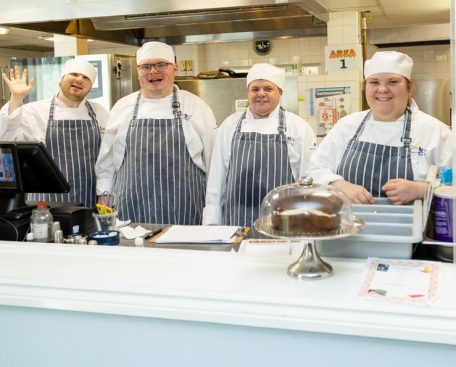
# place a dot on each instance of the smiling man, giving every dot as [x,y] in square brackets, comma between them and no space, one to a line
[157,147]
[256,151]
[68,124]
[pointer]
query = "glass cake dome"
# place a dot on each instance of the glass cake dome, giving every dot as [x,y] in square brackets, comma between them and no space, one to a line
[306,210]
[309,212]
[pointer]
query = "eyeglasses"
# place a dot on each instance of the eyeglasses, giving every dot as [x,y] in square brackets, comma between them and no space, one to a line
[159,66]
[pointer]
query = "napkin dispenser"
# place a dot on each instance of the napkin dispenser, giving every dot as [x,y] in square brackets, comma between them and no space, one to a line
[74,219]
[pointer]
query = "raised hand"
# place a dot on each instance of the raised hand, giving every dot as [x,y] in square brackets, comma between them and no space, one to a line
[18,86]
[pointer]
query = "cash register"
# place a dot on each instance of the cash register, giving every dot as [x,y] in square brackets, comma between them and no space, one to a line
[27,167]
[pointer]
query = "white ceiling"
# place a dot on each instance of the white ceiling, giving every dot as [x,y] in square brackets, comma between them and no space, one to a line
[384,14]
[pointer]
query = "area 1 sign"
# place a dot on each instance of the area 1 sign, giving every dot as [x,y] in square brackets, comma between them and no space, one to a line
[343,57]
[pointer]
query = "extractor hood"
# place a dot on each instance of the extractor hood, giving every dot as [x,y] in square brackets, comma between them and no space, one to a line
[175,22]
[428,34]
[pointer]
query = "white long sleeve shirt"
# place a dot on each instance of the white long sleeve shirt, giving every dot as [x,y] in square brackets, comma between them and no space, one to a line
[301,143]
[198,124]
[431,143]
[29,122]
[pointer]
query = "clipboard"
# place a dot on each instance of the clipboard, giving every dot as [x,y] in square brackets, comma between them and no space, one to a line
[240,234]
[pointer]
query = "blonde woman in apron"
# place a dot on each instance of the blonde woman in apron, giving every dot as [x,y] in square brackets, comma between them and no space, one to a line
[387,150]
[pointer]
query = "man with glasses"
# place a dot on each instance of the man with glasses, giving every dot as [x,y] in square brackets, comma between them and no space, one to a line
[157,147]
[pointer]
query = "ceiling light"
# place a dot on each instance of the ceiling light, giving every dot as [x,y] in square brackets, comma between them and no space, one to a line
[4,30]
[49,37]
[45,37]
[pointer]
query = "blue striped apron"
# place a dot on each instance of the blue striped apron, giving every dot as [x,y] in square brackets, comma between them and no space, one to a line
[258,164]
[74,145]
[372,165]
[158,182]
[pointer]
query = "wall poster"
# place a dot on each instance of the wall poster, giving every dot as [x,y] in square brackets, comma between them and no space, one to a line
[329,105]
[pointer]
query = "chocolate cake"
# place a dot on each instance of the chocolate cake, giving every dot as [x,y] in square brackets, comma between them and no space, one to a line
[317,215]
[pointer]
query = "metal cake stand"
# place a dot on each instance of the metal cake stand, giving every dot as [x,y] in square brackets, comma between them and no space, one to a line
[309,265]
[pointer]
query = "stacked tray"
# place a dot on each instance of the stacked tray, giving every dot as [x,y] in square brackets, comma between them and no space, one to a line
[390,232]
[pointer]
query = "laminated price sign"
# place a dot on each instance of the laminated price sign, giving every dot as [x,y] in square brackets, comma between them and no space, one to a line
[343,57]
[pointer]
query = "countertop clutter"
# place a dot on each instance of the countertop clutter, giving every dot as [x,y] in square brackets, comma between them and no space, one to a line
[231,294]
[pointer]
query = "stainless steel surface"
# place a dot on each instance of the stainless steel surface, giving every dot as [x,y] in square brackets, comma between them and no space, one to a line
[123,76]
[221,94]
[433,96]
[310,265]
[174,22]
[225,247]
[411,35]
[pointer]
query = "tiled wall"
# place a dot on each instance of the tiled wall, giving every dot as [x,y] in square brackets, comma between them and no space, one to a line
[431,62]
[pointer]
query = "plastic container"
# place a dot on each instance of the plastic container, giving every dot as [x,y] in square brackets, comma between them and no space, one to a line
[41,223]
[444,210]
[390,232]
[105,222]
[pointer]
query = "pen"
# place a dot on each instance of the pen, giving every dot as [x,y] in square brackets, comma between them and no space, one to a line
[153,233]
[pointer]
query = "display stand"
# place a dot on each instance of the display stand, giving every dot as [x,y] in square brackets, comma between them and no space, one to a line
[310,265]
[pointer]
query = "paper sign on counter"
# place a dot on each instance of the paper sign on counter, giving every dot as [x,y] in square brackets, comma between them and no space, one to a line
[410,281]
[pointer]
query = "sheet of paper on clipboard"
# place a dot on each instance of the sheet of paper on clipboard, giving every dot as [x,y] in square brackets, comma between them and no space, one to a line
[199,234]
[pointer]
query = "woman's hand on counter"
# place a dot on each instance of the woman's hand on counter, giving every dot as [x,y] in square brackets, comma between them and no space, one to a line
[400,191]
[356,193]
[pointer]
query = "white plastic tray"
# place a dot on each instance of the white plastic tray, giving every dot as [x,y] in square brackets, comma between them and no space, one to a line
[390,232]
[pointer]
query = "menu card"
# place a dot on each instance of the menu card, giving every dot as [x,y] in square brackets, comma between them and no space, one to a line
[403,281]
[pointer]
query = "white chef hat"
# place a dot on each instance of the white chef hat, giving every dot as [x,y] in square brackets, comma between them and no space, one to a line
[267,72]
[79,66]
[155,50]
[389,62]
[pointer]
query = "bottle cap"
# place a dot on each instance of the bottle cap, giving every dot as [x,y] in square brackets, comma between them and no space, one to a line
[446,176]
[29,237]
[41,204]
[139,241]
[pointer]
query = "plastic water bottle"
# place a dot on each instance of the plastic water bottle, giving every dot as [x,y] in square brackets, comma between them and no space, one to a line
[41,222]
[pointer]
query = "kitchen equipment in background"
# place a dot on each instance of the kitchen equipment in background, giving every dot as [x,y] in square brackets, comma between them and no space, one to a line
[433,96]
[228,95]
[117,77]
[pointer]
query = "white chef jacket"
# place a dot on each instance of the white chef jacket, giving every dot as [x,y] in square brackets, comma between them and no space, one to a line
[430,145]
[29,122]
[198,124]
[301,143]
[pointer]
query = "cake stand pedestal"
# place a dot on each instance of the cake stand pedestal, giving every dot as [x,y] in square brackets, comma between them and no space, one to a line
[309,265]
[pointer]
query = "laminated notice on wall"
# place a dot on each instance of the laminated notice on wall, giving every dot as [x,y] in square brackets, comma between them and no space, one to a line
[329,105]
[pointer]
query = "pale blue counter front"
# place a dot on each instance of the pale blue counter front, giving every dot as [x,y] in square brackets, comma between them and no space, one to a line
[92,306]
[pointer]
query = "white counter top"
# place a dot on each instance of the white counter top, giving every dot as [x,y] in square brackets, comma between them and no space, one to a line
[216,287]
